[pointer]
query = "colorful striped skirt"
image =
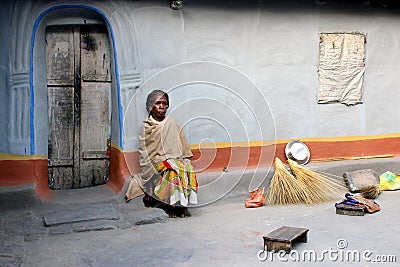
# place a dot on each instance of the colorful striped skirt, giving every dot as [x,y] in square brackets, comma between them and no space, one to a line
[177,183]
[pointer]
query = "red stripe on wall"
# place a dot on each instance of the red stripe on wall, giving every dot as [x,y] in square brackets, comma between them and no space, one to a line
[25,172]
[122,165]
[357,148]
[16,172]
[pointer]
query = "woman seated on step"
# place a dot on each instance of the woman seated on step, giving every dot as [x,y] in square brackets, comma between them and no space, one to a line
[164,153]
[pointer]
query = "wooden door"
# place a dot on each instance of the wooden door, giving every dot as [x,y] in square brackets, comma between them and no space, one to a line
[79,85]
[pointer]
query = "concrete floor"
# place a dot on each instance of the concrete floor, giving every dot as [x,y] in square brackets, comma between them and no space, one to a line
[223,233]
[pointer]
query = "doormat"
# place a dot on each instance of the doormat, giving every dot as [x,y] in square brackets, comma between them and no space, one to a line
[67,216]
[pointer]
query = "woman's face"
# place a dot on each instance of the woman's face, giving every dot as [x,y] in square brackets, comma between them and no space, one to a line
[160,107]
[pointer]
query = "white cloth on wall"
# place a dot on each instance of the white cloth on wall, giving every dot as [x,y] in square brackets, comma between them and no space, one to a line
[341,68]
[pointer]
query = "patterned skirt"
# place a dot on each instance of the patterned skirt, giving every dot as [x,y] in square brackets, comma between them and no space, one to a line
[177,183]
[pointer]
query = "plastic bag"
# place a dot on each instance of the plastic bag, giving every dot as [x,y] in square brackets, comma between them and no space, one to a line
[389,181]
[257,198]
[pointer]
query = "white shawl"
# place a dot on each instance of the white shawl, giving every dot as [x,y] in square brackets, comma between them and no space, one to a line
[159,141]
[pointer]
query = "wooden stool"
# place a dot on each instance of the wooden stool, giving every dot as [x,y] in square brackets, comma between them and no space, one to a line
[283,238]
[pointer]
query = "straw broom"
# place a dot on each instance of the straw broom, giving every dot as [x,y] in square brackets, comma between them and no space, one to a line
[319,187]
[284,187]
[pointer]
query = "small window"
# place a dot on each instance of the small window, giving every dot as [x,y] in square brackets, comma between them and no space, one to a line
[341,67]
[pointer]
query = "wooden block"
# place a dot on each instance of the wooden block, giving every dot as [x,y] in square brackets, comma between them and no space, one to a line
[344,209]
[284,237]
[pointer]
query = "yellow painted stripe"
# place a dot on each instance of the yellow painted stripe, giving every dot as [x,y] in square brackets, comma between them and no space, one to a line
[210,145]
[4,156]
[351,138]
[116,146]
[284,141]
[257,143]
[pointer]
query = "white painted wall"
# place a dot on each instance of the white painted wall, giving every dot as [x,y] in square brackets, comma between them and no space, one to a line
[234,72]
[4,76]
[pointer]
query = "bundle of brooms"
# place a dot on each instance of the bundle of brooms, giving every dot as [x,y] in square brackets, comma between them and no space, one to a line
[305,186]
[285,188]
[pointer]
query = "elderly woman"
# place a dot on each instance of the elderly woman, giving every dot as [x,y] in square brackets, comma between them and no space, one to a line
[164,154]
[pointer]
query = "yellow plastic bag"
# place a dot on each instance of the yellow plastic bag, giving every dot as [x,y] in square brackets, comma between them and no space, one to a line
[389,181]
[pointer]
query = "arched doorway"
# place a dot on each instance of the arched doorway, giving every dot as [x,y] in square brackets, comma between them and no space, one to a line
[93,28]
[78,61]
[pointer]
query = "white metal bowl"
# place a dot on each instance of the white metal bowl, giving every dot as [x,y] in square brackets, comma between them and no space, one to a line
[298,151]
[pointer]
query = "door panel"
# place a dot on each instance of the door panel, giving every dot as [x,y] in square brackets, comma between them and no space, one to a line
[95,104]
[95,132]
[79,86]
[95,54]
[60,56]
[61,137]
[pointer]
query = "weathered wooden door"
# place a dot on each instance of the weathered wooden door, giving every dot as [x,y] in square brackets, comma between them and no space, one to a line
[79,85]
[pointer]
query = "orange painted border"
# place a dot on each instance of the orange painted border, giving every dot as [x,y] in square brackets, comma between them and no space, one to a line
[122,165]
[358,148]
[22,171]
[16,172]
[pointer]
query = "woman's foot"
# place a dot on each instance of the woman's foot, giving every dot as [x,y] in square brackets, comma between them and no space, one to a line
[149,201]
[186,212]
[176,211]
[170,210]
[182,212]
